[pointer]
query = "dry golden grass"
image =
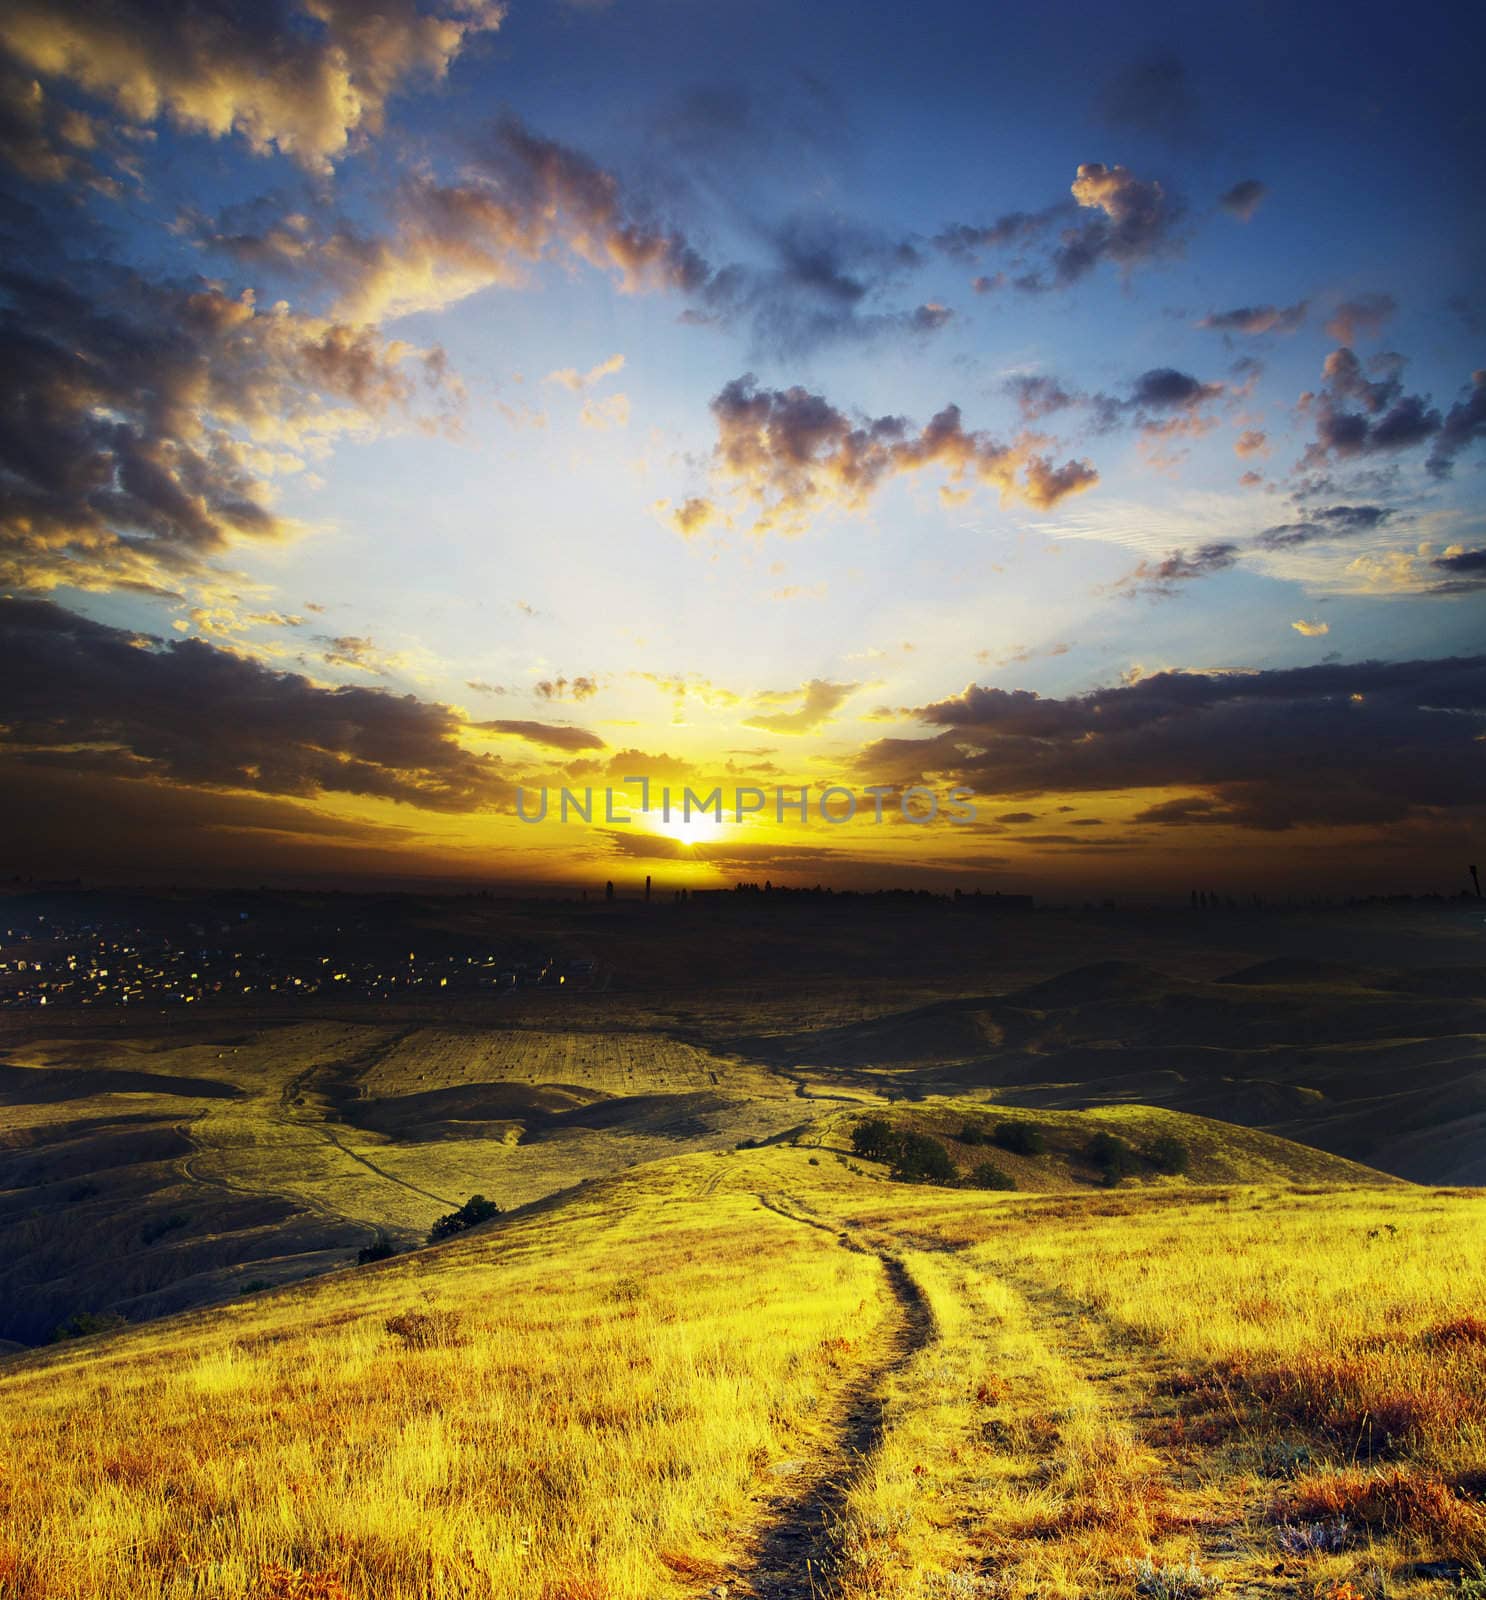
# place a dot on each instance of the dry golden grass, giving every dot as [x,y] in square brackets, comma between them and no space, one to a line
[573,1406]
[582,1403]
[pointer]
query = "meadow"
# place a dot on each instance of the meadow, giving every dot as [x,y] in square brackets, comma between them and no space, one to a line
[774,1370]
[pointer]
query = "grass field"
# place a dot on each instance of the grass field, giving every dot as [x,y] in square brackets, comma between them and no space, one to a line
[775,1370]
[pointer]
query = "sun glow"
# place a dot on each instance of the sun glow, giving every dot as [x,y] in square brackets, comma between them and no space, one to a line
[699,828]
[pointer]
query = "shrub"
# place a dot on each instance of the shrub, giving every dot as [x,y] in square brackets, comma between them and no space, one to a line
[435,1328]
[255,1286]
[874,1139]
[1020,1138]
[987,1175]
[381,1249]
[972,1135]
[919,1159]
[1113,1157]
[84,1323]
[1168,1154]
[1178,1581]
[295,1583]
[471,1214]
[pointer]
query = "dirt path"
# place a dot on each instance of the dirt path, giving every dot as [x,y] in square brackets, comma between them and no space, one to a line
[1134,1385]
[793,1556]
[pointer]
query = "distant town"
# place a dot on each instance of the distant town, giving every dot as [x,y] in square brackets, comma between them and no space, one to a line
[49,962]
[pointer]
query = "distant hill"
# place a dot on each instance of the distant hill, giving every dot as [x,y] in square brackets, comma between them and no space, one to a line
[1384,1067]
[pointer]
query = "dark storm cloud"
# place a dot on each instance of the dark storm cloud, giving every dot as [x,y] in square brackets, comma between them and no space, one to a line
[80,694]
[1331,744]
[1244,199]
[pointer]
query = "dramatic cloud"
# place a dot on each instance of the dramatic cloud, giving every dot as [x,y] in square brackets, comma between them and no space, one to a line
[141,424]
[790,452]
[1332,744]
[523,199]
[1134,221]
[1463,571]
[551,735]
[1163,578]
[1244,199]
[304,78]
[96,699]
[1464,423]
[1255,320]
[1362,318]
[818,702]
[1328,522]
[1357,415]
[47,141]
[1312,630]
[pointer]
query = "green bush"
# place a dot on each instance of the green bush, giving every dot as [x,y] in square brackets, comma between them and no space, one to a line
[875,1139]
[382,1249]
[84,1323]
[1168,1154]
[1112,1156]
[972,1135]
[471,1214]
[920,1159]
[1020,1138]
[987,1175]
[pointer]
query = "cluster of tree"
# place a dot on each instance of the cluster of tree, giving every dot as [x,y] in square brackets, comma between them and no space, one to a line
[1115,1158]
[471,1214]
[919,1157]
[1020,1138]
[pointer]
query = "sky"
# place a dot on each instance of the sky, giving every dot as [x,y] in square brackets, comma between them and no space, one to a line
[408,409]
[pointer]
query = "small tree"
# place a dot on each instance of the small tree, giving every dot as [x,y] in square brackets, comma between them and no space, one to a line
[1113,1157]
[972,1135]
[83,1324]
[381,1249]
[987,1175]
[921,1159]
[874,1139]
[1020,1138]
[1168,1154]
[471,1214]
